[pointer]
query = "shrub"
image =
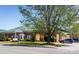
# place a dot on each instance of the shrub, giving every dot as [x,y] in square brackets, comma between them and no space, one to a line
[2,37]
[26,39]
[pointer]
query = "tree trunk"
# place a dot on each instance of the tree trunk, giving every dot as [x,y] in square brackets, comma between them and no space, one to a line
[49,37]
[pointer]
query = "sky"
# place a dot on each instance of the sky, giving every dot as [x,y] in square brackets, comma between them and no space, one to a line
[9,17]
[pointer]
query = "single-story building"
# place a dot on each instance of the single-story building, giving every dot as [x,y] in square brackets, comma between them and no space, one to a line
[19,32]
[23,33]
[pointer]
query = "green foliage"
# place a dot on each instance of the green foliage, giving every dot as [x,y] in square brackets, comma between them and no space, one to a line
[27,39]
[49,18]
[2,37]
[75,28]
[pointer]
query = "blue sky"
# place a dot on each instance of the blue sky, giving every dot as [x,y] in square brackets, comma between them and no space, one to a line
[9,17]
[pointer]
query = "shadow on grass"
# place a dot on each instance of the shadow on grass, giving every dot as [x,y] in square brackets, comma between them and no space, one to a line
[29,46]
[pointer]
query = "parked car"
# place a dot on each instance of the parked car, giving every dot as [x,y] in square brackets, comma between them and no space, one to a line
[67,41]
[76,39]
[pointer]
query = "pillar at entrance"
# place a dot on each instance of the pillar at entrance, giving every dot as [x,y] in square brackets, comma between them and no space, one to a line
[37,37]
[42,37]
[57,38]
[67,36]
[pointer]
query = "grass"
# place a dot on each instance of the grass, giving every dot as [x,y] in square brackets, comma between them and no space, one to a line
[25,43]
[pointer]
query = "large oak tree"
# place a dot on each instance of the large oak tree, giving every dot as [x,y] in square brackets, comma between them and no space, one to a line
[49,19]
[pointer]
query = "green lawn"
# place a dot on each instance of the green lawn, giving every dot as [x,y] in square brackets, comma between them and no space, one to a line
[26,43]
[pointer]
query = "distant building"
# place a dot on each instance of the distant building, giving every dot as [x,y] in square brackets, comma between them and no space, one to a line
[18,32]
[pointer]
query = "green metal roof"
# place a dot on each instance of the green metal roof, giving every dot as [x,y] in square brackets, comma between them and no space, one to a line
[19,29]
[2,30]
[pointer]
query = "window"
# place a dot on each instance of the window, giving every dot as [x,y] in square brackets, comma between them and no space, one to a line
[29,36]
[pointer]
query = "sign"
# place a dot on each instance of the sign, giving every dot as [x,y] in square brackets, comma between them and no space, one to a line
[15,39]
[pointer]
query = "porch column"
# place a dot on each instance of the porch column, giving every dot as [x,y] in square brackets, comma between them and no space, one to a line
[57,38]
[67,36]
[37,37]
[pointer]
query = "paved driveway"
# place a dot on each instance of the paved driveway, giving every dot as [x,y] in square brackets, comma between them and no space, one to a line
[73,49]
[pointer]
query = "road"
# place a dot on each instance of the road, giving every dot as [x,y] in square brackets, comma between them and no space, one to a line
[73,49]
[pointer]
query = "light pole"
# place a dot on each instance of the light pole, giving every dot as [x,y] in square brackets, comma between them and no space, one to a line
[15,34]
[15,38]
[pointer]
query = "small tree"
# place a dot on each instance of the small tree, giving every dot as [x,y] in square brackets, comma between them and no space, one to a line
[75,29]
[2,37]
